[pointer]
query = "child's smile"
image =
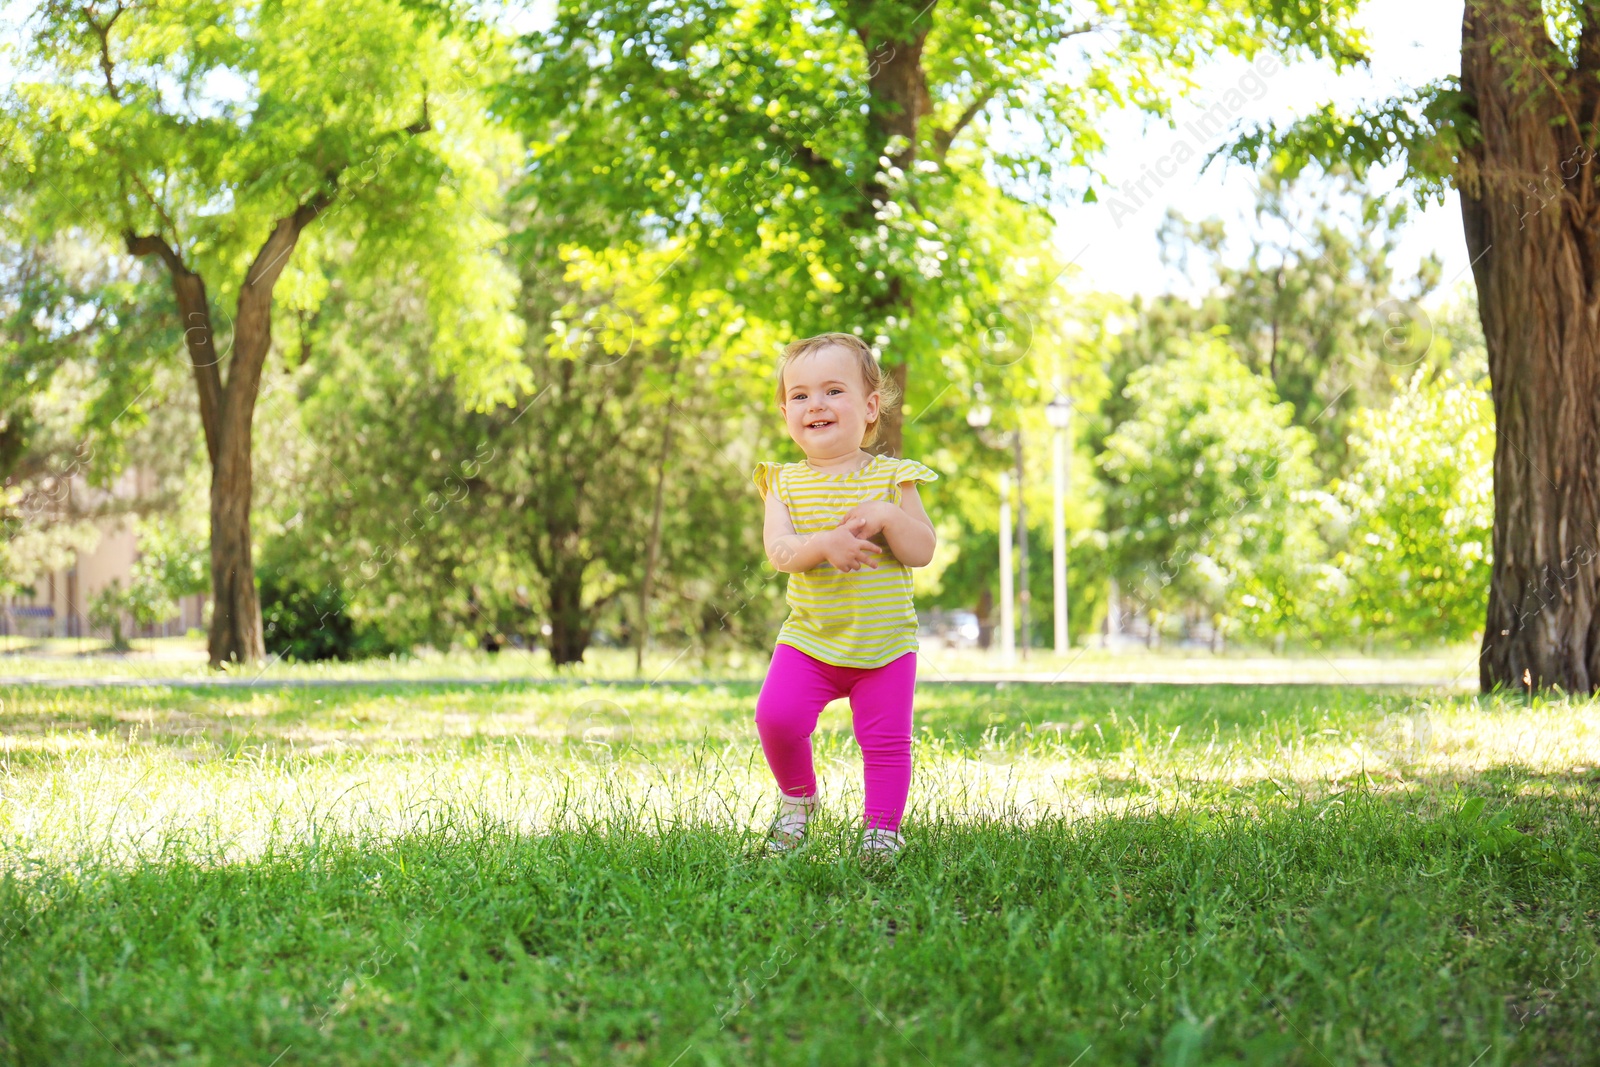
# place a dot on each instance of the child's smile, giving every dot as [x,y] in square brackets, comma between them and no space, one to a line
[827,406]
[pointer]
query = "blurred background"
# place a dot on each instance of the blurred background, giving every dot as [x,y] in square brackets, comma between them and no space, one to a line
[514,345]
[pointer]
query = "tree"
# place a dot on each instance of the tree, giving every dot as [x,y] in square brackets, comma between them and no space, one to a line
[1209,497]
[1315,305]
[846,150]
[213,142]
[1416,557]
[1516,135]
[428,520]
[76,337]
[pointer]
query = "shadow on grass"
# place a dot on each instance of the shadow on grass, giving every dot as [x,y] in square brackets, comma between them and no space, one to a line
[1099,719]
[1364,928]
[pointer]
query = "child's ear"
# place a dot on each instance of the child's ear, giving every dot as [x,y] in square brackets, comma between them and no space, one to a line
[873,400]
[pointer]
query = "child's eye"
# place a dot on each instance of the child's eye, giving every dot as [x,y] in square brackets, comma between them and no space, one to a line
[836,390]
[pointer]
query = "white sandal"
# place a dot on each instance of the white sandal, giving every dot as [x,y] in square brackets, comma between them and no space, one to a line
[880,844]
[788,829]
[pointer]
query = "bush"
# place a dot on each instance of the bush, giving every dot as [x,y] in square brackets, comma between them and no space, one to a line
[301,623]
[1420,503]
[145,599]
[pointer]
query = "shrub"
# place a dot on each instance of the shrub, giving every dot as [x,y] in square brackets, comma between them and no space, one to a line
[302,623]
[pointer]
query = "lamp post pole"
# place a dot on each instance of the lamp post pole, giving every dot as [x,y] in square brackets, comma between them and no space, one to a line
[1059,411]
[1025,597]
[1008,647]
[978,419]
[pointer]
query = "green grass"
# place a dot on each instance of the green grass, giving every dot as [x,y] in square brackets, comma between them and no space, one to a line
[1109,874]
[81,659]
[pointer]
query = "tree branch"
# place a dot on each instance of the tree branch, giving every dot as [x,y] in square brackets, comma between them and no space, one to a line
[943,138]
[194,313]
[1079,31]
[422,125]
[104,34]
[151,245]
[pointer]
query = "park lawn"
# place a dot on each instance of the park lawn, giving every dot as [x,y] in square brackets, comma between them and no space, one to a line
[566,873]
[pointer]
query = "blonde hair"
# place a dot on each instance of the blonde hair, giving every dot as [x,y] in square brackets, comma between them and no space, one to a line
[873,375]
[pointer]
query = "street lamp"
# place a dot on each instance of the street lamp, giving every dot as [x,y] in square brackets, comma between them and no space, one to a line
[978,418]
[1059,412]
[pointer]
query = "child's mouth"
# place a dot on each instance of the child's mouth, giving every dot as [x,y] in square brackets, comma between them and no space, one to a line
[818,425]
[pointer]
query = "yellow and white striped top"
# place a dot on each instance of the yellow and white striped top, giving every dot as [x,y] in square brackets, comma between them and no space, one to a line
[864,618]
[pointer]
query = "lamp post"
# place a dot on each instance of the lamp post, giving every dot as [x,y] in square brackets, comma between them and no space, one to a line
[978,418]
[1008,646]
[1025,597]
[1059,412]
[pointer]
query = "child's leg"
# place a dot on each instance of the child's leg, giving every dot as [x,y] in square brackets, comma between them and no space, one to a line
[793,695]
[880,705]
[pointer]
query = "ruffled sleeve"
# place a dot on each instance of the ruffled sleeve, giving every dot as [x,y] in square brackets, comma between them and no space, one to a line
[766,478]
[909,470]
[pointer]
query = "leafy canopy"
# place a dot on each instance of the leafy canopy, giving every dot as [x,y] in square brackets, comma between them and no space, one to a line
[204,123]
[776,138]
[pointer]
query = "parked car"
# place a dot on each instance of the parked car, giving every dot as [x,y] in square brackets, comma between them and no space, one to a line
[951,629]
[962,631]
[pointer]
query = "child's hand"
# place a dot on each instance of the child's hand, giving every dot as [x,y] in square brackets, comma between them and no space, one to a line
[847,552]
[868,519]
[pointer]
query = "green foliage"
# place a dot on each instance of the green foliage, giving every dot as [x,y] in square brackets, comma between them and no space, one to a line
[1209,493]
[530,523]
[106,610]
[173,562]
[1420,505]
[205,127]
[144,599]
[305,624]
[1315,306]
[1424,128]
[76,391]
[173,556]
[774,143]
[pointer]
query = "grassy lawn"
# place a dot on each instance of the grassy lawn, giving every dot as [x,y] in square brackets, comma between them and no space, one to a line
[1099,874]
[1448,666]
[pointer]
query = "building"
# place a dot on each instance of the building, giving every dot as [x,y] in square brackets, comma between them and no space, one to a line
[59,606]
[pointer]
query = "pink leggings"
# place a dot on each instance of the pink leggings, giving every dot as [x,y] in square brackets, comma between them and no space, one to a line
[792,697]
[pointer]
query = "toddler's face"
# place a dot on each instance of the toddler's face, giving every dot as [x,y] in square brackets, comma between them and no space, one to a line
[827,405]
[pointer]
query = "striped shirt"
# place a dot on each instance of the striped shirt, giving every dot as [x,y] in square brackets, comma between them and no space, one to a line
[863,618]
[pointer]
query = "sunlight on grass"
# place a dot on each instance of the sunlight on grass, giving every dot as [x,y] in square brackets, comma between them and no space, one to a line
[1452,667]
[122,772]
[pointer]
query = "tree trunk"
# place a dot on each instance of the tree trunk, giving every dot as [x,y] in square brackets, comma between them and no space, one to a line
[236,631]
[569,620]
[898,100]
[227,414]
[653,548]
[1528,206]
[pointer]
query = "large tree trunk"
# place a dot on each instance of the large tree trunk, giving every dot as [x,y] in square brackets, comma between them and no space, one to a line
[898,101]
[227,414]
[1529,208]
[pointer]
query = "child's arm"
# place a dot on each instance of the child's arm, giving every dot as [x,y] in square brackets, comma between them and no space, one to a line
[906,528]
[793,553]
